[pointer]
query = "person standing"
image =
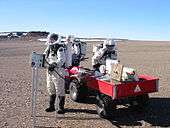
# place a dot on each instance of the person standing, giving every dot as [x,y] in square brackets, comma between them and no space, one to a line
[56,58]
[69,50]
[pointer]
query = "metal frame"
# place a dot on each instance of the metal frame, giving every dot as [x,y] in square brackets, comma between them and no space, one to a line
[114,93]
[157,84]
[34,93]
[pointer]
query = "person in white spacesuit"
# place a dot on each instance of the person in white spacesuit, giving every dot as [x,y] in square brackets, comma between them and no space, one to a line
[77,53]
[97,47]
[107,50]
[69,50]
[56,58]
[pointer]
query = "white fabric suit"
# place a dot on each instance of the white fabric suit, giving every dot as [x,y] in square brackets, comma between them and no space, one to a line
[55,84]
[76,47]
[97,57]
[76,54]
[69,53]
[56,58]
[108,51]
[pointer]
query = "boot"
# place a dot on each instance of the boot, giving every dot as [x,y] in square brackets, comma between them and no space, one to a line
[61,105]
[51,107]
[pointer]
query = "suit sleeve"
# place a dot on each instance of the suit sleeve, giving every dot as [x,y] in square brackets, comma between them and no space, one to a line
[46,51]
[99,53]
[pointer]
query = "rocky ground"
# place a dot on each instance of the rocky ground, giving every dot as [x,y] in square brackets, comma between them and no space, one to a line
[151,58]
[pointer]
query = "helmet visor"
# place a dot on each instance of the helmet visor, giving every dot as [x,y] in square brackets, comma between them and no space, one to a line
[110,47]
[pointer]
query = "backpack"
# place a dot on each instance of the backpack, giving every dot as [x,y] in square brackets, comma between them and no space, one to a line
[54,48]
[82,46]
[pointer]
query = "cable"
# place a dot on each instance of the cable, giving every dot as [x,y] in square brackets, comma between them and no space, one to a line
[56,71]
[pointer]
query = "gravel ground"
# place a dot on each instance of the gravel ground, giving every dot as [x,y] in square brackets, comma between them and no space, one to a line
[151,58]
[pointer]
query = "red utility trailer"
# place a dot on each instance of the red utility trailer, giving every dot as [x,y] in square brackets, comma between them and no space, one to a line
[108,92]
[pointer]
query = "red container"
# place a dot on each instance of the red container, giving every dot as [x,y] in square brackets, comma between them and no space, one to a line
[147,84]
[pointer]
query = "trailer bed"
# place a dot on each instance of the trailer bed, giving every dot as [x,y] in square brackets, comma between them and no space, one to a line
[117,90]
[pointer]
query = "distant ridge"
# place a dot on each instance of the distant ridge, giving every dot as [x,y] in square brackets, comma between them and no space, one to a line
[22,34]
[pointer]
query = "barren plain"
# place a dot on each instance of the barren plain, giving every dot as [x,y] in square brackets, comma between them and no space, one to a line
[148,57]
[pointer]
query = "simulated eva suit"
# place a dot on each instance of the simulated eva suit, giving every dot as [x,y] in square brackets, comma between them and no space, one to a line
[102,52]
[69,50]
[73,51]
[56,58]
[76,53]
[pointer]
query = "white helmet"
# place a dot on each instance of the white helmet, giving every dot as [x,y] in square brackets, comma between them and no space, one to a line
[109,42]
[70,38]
[76,40]
[53,38]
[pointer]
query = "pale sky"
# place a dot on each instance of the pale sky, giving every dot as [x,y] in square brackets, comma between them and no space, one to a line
[132,19]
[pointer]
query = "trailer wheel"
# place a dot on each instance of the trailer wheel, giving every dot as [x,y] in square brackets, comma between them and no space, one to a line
[77,91]
[140,101]
[105,106]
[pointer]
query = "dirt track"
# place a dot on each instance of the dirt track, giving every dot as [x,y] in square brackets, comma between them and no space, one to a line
[15,89]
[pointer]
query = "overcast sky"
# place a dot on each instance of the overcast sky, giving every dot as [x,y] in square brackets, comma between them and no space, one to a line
[132,19]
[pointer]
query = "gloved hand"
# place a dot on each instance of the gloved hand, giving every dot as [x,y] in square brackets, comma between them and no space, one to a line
[51,67]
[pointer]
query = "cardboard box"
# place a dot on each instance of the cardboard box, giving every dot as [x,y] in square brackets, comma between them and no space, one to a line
[116,71]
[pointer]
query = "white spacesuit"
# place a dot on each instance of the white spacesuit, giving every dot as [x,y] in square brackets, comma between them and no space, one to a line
[69,50]
[108,51]
[97,47]
[76,54]
[56,57]
[76,47]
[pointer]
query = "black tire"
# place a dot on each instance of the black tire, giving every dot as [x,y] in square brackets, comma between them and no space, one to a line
[105,106]
[78,91]
[140,101]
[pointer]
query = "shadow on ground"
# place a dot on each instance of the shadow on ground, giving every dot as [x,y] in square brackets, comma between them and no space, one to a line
[156,114]
[81,111]
[47,127]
